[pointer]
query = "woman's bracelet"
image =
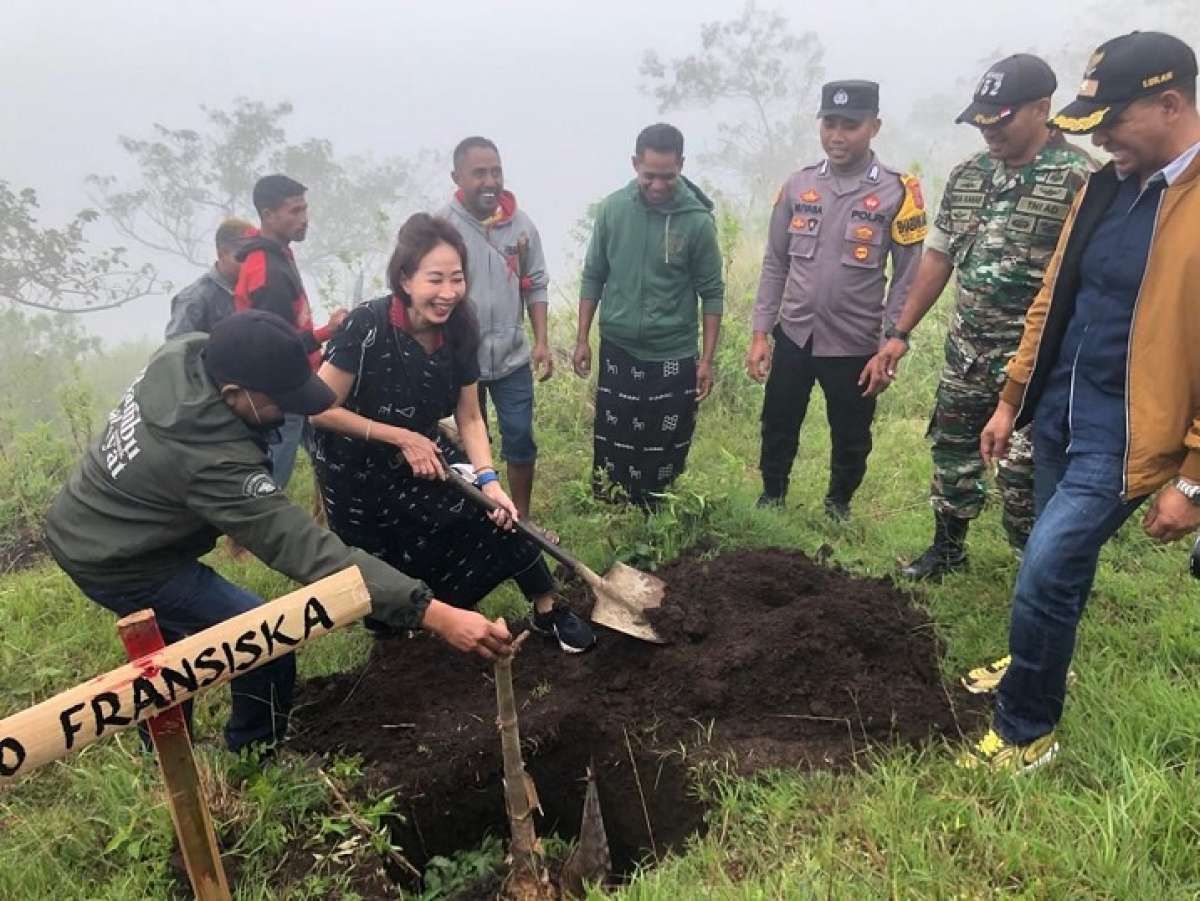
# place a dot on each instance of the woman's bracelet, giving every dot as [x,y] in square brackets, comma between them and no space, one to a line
[479,469]
[483,478]
[370,422]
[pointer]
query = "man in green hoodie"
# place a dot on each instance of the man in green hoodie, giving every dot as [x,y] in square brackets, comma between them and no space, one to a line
[653,252]
[183,459]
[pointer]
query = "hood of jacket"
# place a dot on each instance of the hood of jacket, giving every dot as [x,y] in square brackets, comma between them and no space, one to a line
[688,198]
[261,242]
[506,209]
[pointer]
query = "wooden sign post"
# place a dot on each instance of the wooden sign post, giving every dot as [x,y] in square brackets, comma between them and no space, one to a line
[189,812]
[156,682]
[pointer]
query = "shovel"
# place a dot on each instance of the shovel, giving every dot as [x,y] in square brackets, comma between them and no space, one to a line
[623,595]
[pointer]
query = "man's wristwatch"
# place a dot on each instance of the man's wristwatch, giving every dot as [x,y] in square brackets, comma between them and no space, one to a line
[892,332]
[1189,489]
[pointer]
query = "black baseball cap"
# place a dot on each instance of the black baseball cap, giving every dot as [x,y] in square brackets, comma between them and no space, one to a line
[1121,71]
[1006,86]
[856,100]
[262,352]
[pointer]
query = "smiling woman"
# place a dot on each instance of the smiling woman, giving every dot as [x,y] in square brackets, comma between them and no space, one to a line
[399,364]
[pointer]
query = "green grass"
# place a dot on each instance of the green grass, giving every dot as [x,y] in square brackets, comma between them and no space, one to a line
[1114,817]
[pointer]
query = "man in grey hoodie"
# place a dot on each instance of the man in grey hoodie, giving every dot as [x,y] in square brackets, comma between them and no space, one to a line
[182,460]
[506,277]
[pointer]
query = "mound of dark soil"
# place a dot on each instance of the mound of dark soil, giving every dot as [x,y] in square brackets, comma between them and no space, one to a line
[775,660]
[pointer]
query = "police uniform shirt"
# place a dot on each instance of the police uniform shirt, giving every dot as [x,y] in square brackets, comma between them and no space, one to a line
[823,274]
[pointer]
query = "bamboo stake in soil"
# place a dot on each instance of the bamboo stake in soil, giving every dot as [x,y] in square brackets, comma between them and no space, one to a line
[590,860]
[527,878]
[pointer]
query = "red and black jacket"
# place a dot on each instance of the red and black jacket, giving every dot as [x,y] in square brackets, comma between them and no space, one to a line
[269,280]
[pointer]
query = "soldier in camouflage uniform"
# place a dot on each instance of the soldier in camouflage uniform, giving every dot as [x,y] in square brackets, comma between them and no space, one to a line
[997,227]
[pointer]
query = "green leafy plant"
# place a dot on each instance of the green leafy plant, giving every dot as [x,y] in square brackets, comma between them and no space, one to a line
[447,876]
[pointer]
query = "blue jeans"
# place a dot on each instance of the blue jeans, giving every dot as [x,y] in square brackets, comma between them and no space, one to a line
[513,398]
[192,600]
[283,454]
[1077,499]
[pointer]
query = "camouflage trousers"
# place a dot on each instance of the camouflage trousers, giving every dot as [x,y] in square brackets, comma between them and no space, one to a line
[963,407]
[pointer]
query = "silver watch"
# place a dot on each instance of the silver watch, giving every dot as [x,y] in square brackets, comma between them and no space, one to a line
[1189,489]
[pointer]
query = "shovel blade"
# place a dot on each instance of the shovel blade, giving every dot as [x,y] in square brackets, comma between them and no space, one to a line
[623,596]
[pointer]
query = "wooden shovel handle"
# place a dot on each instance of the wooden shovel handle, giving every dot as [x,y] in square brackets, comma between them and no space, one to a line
[467,488]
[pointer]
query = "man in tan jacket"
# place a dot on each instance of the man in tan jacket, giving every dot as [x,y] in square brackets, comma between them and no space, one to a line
[1110,364]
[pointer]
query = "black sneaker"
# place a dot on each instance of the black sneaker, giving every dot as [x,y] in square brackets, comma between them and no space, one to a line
[573,632]
[769,501]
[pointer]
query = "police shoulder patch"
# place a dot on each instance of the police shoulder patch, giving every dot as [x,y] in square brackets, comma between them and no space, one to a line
[910,224]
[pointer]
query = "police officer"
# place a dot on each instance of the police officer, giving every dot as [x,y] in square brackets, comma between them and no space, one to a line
[821,292]
[997,226]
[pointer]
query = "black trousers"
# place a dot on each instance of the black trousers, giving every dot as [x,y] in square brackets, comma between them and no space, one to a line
[794,370]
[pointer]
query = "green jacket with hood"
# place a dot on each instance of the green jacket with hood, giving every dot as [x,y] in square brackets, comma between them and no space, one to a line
[647,265]
[174,469]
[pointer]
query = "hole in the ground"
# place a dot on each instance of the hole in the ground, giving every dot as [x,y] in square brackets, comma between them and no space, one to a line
[776,660]
[457,814]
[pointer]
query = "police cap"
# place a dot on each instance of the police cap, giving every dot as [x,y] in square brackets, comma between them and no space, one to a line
[857,100]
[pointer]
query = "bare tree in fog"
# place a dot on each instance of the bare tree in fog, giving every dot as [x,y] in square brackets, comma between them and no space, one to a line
[56,268]
[187,180]
[755,64]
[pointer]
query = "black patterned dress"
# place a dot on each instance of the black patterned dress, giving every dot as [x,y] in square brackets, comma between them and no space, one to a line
[422,527]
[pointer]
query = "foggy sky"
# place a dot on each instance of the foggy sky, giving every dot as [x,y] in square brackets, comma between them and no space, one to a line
[555,84]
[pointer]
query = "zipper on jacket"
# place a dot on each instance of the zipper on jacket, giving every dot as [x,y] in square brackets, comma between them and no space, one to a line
[667,241]
[1071,393]
[1129,341]
[491,315]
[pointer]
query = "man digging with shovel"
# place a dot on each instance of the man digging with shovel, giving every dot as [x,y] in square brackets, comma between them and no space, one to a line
[182,460]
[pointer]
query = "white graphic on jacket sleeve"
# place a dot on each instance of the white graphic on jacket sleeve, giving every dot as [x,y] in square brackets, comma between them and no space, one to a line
[259,484]
[120,446]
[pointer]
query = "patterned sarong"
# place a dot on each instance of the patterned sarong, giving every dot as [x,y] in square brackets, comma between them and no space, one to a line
[645,416]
